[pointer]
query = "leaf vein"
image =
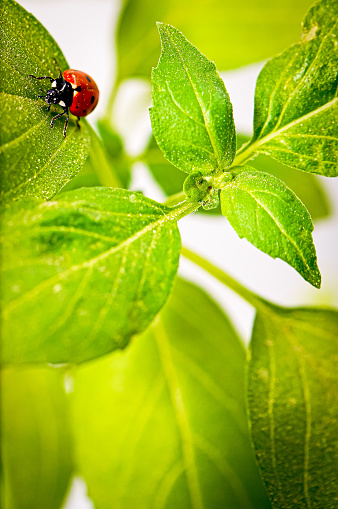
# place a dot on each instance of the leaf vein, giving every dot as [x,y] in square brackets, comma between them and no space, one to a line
[180,414]
[181,109]
[290,97]
[204,113]
[280,227]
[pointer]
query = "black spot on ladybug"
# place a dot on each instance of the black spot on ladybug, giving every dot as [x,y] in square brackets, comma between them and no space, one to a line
[84,111]
[92,99]
[78,88]
[88,78]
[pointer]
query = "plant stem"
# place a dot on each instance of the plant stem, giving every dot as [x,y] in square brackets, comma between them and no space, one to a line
[245,153]
[183,209]
[224,278]
[103,170]
[174,199]
[111,101]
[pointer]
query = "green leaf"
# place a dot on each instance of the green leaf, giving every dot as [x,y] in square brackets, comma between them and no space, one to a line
[306,186]
[296,98]
[36,443]
[293,405]
[232,33]
[263,210]
[84,273]
[35,160]
[165,419]
[192,114]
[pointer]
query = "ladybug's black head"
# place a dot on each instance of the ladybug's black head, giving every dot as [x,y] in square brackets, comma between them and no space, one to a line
[53,96]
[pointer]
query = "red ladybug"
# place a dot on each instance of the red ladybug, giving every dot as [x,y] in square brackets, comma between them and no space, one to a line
[74,91]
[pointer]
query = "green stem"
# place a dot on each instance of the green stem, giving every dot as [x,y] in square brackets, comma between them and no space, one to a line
[246,152]
[101,166]
[174,199]
[183,209]
[224,278]
[111,101]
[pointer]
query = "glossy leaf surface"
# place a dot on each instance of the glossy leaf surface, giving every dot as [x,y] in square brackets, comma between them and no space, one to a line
[35,160]
[192,114]
[36,446]
[294,405]
[165,419]
[263,210]
[84,273]
[296,98]
[232,34]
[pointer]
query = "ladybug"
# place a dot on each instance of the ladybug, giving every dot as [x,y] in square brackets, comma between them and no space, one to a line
[74,91]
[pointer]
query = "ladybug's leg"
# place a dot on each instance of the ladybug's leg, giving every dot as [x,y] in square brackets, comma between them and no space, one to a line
[65,112]
[66,125]
[78,122]
[56,116]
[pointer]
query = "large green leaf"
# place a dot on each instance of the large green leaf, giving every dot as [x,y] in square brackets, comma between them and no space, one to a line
[296,98]
[35,160]
[36,446]
[268,214]
[232,34]
[163,424]
[84,272]
[293,402]
[192,114]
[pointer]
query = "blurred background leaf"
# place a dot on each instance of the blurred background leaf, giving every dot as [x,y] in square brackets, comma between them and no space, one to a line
[232,34]
[163,424]
[36,447]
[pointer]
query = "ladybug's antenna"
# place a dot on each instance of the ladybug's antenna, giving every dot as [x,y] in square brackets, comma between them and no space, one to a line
[41,77]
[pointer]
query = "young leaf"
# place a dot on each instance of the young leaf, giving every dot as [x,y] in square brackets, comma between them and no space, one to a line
[84,272]
[35,160]
[226,30]
[192,114]
[36,444]
[165,419]
[296,98]
[292,385]
[307,186]
[268,214]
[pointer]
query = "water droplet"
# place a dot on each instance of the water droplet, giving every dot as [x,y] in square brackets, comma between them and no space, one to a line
[57,288]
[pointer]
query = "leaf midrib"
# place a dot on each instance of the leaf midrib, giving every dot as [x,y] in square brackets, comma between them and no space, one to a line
[279,226]
[251,148]
[91,262]
[204,113]
[180,414]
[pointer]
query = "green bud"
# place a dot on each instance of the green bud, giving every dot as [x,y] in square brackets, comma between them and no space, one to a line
[197,186]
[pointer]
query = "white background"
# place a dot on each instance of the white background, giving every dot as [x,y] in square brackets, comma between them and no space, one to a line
[84,31]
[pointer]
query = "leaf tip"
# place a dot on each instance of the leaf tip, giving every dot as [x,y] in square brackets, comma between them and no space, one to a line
[317,281]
